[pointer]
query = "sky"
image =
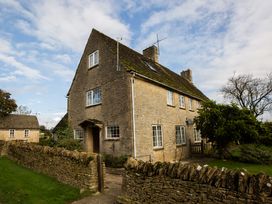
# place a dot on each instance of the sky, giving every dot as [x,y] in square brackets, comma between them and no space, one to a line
[41,42]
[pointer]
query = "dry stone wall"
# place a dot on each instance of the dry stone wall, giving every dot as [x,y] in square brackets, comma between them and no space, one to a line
[75,168]
[160,182]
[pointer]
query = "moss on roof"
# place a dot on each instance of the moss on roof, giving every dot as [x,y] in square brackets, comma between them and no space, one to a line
[133,61]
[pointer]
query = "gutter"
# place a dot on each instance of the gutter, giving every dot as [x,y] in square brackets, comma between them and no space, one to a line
[133,116]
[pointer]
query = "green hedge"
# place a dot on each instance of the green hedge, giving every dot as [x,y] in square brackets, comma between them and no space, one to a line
[67,143]
[252,153]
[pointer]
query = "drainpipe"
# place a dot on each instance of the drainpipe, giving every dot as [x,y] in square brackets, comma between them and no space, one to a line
[133,115]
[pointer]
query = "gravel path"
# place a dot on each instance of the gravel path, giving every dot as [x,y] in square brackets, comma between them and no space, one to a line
[112,190]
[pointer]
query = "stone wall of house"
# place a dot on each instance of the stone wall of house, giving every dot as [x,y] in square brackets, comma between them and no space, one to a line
[151,109]
[1,145]
[75,168]
[179,183]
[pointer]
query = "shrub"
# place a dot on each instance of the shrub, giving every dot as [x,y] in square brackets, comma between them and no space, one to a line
[114,162]
[47,142]
[251,153]
[69,144]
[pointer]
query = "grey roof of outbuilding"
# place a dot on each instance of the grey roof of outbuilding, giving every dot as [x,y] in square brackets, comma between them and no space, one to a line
[19,122]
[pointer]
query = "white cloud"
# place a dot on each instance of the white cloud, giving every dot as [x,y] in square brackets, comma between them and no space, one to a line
[67,24]
[214,38]
[7,78]
[21,69]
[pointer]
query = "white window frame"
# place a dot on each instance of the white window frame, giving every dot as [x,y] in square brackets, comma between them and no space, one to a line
[79,134]
[112,132]
[190,104]
[26,132]
[157,136]
[12,132]
[91,95]
[180,134]
[93,59]
[170,98]
[181,101]
[197,135]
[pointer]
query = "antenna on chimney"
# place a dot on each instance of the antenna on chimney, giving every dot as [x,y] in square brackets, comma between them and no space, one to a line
[158,43]
[117,59]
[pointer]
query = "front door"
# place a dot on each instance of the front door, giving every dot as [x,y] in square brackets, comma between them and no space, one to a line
[96,142]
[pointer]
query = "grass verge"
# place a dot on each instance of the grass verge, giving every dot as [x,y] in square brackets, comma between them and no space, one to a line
[21,185]
[251,168]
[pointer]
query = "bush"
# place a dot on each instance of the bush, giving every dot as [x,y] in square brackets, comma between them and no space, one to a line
[251,153]
[69,144]
[47,142]
[114,162]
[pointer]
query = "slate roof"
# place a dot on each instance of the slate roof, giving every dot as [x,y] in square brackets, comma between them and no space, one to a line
[132,61]
[14,121]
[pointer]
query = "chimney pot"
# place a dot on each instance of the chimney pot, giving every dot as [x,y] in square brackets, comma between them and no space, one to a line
[151,53]
[187,74]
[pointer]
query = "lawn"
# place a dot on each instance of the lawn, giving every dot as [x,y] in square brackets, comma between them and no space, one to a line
[251,168]
[21,185]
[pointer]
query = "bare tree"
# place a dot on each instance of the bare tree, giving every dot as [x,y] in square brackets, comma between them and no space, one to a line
[248,92]
[23,110]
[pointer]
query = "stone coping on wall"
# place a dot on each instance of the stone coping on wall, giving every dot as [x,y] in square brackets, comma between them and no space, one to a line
[238,181]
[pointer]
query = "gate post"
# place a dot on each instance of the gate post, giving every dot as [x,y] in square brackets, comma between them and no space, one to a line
[100,173]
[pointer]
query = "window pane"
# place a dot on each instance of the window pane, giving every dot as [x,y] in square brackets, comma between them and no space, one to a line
[113,132]
[170,98]
[181,101]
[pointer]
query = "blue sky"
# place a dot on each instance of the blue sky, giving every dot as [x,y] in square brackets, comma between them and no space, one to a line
[41,42]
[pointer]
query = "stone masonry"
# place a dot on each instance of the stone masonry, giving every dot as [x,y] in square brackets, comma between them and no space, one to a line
[160,182]
[75,168]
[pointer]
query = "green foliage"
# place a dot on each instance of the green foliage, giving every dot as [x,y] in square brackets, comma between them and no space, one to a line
[114,162]
[69,144]
[252,153]
[21,185]
[64,133]
[7,105]
[266,134]
[47,142]
[225,124]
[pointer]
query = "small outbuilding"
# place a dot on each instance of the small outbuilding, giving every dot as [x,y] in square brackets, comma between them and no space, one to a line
[19,127]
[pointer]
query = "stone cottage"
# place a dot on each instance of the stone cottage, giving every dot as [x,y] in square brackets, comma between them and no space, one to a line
[19,127]
[122,102]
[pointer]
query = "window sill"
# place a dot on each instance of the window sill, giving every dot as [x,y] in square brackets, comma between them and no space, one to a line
[94,66]
[157,148]
[197,142]
[88,106]
[191,110]
[183,108]
[181,145]
[112,139]
[171,105]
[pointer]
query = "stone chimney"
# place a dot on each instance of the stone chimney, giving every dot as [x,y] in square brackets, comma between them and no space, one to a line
[187,74]
[151,53]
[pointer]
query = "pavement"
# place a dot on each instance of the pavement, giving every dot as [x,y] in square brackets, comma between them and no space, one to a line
[113,185]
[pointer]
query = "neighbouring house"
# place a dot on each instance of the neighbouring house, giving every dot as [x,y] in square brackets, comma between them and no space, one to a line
[19,127]
[61,126]
[122,102]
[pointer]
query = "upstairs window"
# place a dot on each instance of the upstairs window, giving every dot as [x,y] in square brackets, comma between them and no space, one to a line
[93,97]
[157,135]
[197,135]
[180,135]
[113,132]
[190,104]
[94,59]
[26,133]
[11,133]
[181,101]
[78,134]
[169,98]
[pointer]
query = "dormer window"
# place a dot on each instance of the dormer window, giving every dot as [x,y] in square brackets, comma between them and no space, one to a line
[94,59]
